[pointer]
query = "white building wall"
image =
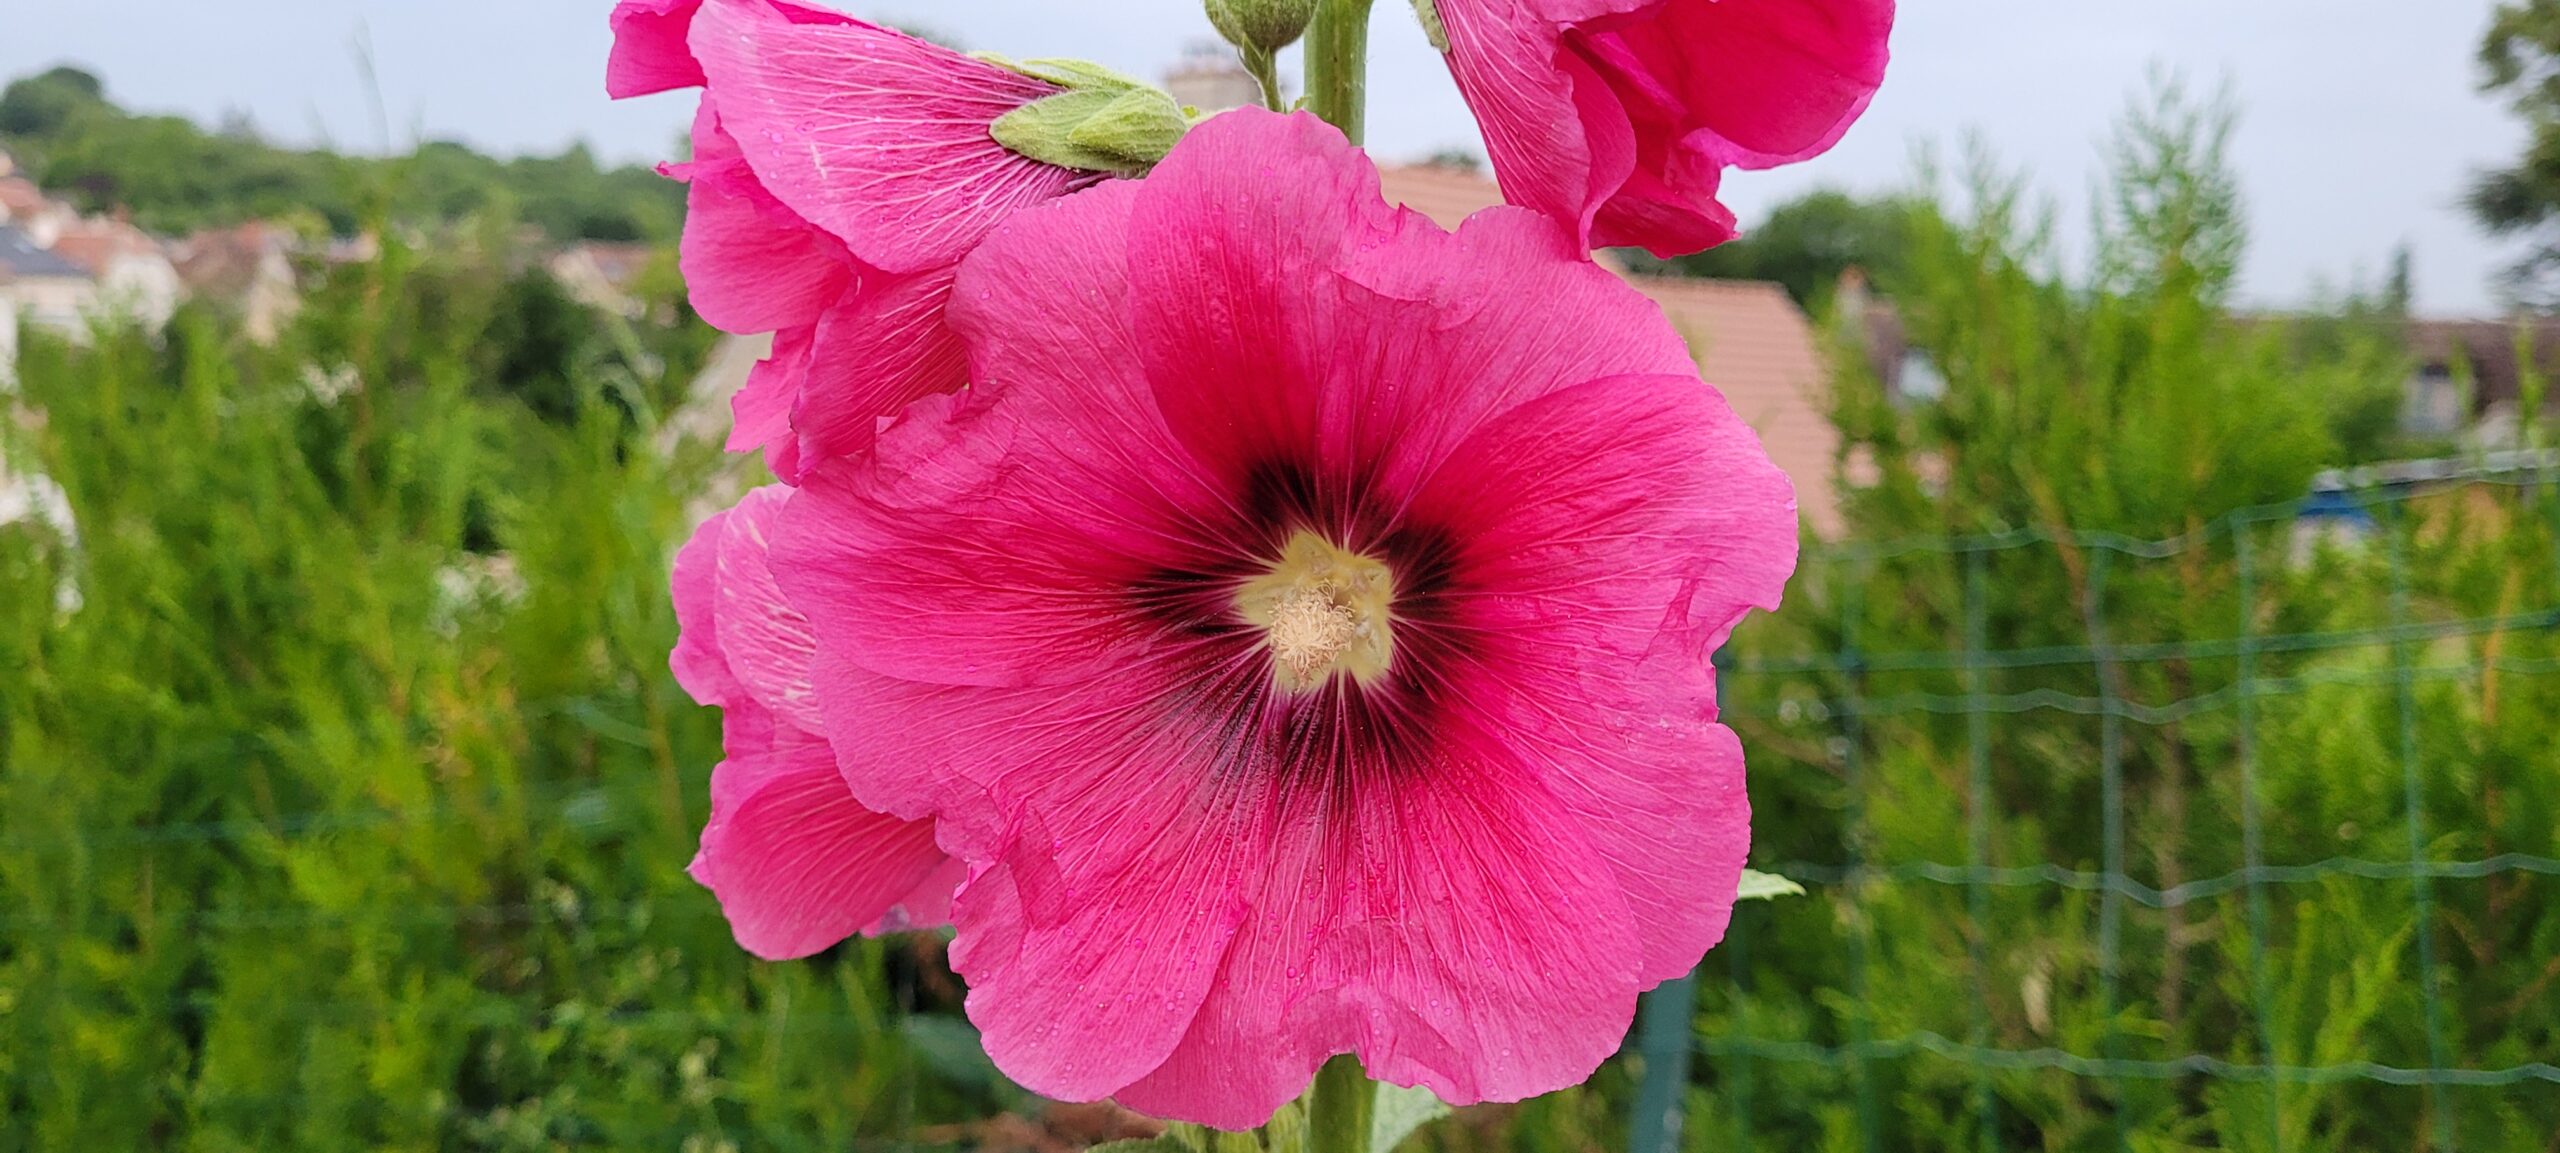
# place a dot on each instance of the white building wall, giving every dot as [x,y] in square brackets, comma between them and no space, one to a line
[8,343]
[141,287]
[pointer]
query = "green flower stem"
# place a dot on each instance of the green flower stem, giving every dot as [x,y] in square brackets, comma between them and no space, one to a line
[1338,65]
[1266,72]
[1343,1104]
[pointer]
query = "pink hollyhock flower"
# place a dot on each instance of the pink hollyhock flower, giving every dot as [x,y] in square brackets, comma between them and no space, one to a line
[1619,117]
[1303,630]
[797,863]
[840,172]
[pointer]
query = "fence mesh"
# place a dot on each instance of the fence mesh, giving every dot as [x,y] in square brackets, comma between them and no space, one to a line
[2259,860]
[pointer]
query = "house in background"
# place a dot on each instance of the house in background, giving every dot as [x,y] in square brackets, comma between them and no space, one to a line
[26,208]
[247,270]
[1209,79]
[40,287]
[2469,377]
[602,275]
[135,278]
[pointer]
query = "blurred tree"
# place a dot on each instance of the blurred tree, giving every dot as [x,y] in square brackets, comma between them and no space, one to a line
[176,176]
[2520,60]
[45,102]
[1808,242]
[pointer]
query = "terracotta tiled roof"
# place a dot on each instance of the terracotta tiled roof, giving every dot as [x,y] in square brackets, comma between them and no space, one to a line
[20,198]
[1446,195]
[226,262]
[1751,341]
[1755,345]
[95,244]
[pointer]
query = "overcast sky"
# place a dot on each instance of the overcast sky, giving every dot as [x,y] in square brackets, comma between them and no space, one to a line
[2361,123]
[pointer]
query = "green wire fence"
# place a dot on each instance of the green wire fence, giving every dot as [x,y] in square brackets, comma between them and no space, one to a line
[2414,631]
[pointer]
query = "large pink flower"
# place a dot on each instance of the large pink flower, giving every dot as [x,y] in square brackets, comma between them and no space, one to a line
[840,172]
[797,863]
[1303,630]
[1619,117]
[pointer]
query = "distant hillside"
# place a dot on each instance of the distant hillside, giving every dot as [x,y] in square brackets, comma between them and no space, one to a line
[174,176]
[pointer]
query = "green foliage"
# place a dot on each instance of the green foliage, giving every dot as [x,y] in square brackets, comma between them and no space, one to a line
[1961,746]
[176,177]
[2520,60]
[350,807]
[1807,243]
[43,103]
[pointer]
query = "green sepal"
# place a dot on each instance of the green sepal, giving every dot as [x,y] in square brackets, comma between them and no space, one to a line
[1759,886]
[1165,1144]
[1400,1113]
[1428,11]
[1063,72]
[1122,127]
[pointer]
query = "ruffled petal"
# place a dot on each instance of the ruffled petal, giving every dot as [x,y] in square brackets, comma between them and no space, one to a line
[878,137]
[751,264]
[1617,117]
[698,662]
[1627,526]
[768,644]
[1449,923]
[649,51]
[799,865]
[761,409]
[875,350]
[935,560]
[1757,85]
[1364,330]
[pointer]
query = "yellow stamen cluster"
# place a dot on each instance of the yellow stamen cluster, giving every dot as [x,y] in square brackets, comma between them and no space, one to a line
[1324,610]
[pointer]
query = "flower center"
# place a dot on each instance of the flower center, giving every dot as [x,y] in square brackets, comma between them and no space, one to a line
[1324,610]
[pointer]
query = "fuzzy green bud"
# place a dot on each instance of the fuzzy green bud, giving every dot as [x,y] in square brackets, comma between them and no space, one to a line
[1261,25]
[1103,122]
[1428,11]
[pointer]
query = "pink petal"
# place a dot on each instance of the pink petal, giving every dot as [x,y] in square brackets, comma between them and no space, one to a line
[1455,929]
[649,52]
[879,347]
[1761,84]
[1593,510]
[993,565]
[880,138]
[1616,117]
[767,643]
[1371,325]
[698,663]
[799,865]
[751,264]
[762,406]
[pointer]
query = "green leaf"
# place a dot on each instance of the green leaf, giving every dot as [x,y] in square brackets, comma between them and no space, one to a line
[1399,1114]
[1759,886]
[1165,1144]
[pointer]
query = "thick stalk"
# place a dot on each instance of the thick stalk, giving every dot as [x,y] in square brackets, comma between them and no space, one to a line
[1338,65]
[1341,1106]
